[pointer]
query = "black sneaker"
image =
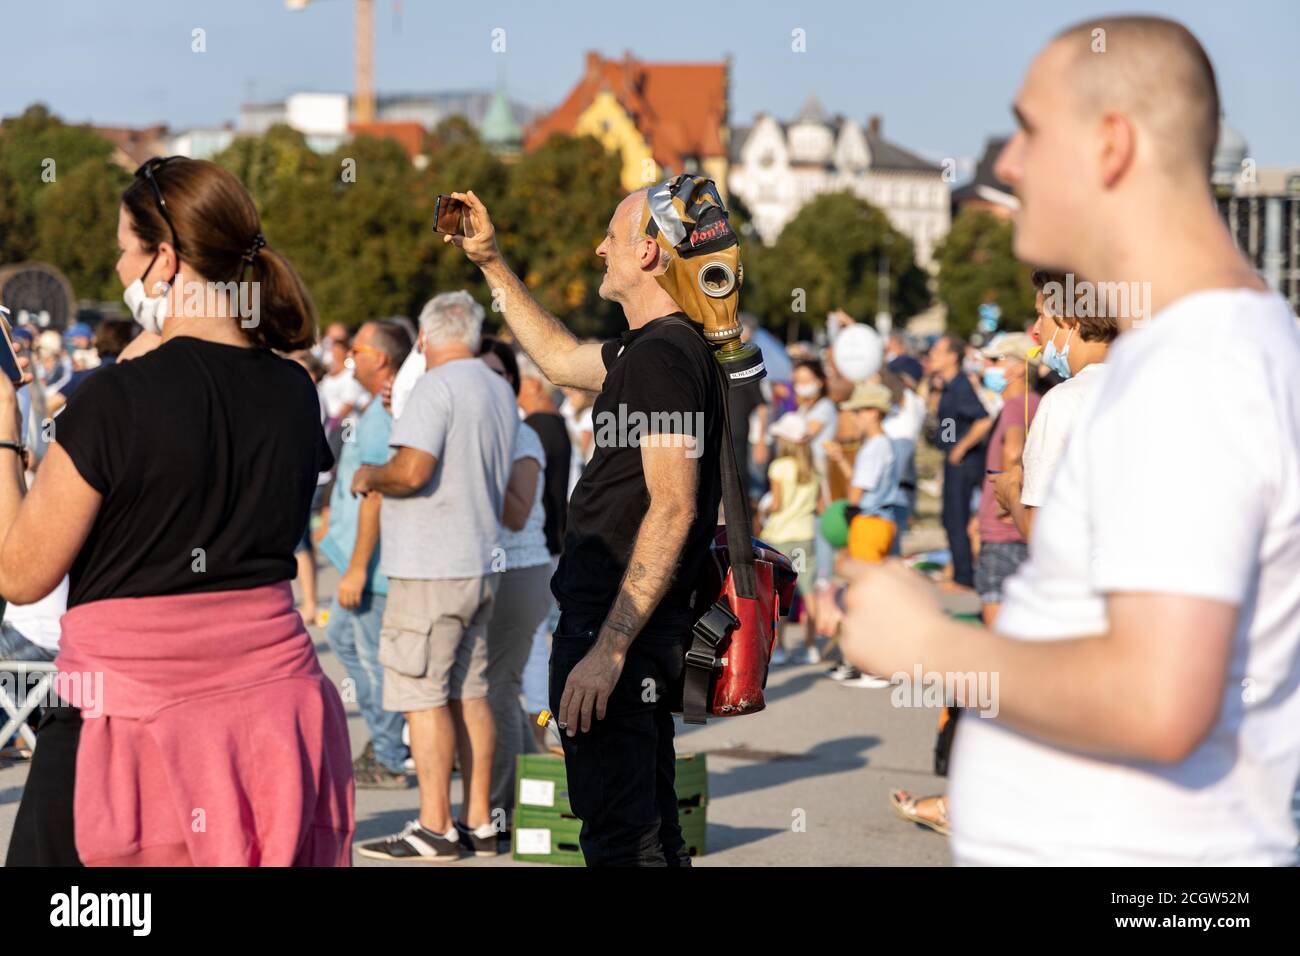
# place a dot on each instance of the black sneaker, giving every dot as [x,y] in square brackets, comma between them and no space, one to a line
[480,845]
[414,844]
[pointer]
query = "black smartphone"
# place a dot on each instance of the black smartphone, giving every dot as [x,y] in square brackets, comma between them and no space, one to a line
[8,359]
[448,215]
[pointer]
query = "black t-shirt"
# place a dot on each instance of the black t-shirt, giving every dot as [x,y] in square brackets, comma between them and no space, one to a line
[662,373]
[555,488]
[206,456]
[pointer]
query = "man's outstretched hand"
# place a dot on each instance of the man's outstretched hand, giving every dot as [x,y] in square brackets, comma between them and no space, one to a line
[480,239]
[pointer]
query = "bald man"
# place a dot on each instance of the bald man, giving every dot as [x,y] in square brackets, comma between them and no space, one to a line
[639,527]
[1145,665]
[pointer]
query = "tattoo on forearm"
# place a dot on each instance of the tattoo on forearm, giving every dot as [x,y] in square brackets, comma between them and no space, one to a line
[649,574]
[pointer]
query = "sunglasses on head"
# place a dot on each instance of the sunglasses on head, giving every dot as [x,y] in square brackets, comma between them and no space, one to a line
[147,171]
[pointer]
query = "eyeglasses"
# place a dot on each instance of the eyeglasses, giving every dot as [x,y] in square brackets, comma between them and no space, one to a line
[147,170]
[365,348]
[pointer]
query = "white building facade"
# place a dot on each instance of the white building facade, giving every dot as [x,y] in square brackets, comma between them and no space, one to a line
[777,167]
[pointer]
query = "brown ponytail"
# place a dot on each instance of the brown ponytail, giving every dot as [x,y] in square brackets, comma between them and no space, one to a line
[217,232]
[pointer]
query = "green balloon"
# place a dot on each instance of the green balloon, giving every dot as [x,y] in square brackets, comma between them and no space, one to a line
[835,524]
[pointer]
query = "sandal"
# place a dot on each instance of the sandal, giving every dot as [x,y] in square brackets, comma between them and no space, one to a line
[907,806]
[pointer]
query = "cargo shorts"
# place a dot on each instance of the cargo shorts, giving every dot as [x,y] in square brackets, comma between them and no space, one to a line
[433,641]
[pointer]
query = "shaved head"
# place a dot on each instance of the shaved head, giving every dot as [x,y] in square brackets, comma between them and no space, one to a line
[633,205]
[1152,70]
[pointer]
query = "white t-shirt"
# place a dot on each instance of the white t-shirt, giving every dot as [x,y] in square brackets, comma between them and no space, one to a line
[342,390]
[578,423]
[526,548]
[405,379]
[39,621]
[905,420]
[1057,414]
[1182,477]
[903,425]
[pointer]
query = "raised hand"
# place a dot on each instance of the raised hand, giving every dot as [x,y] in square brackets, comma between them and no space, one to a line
[480,240]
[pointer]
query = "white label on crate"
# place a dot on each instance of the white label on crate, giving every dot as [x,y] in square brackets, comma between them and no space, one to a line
[537,793]
[533,841]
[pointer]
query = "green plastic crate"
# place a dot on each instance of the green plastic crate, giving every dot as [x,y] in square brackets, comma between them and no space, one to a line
[540,782]
[545,836]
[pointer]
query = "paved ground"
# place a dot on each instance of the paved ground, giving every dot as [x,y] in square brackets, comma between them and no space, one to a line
[805,782]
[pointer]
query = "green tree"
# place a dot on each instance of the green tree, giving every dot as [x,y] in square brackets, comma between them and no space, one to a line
[829,257]
[76,227]
[551,220]
[38,148]
[59,195]
[977,265]
[278,159]
[363,261]
[17,222]
[457,163]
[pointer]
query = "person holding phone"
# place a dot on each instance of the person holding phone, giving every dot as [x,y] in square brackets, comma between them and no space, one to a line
[199,728]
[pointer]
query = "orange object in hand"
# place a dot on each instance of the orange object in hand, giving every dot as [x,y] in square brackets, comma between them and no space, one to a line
[870,538]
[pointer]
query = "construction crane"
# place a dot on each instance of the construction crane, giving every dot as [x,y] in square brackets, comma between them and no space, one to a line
[363,47]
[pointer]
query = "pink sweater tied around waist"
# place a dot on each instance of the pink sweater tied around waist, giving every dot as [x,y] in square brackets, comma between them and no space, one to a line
[214,738]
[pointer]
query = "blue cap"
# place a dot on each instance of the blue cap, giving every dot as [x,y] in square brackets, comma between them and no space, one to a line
[23,332]
[78,330]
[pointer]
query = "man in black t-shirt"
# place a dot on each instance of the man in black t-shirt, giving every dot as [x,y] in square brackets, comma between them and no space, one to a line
[639,527]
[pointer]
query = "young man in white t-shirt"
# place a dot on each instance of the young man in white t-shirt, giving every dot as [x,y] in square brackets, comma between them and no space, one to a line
[1148,652]
[1084,341]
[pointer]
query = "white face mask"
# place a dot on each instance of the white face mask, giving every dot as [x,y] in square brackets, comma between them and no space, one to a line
[149,311]
[807,391]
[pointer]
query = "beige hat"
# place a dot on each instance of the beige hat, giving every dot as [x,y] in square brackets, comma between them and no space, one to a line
[791,427]
[49,342]
[1014,345]
[869,395]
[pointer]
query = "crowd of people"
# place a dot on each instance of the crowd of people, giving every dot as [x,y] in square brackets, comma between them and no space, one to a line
[496,557]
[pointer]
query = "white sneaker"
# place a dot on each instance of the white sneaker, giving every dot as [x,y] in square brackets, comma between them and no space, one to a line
[843,672]
[866,681]
[780,657]
[806,655]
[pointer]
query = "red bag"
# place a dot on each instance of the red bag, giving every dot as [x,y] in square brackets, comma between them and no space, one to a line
[731,643]
[726,667]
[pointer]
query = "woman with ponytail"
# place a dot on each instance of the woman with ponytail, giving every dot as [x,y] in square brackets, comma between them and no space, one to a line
[196,726]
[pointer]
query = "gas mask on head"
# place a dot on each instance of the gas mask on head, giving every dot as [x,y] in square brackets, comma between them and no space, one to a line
[686,218]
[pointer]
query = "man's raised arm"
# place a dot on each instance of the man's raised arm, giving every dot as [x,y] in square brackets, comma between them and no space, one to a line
[555,349]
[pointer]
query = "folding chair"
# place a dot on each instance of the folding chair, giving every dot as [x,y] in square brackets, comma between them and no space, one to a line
[27,700]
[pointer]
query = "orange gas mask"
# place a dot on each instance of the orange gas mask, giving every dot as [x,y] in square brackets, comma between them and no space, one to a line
[686,218]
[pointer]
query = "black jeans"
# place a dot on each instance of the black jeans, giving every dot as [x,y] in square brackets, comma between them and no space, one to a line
[43,830]
[959,482]
[622,772]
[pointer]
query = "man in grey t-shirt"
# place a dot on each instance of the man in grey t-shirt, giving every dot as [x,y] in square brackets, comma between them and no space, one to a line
[444,492]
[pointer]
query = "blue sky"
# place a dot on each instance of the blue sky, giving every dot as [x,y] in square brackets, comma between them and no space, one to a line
[941,72]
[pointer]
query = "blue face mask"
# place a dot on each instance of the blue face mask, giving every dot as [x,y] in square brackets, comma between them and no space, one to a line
[1056,360]
[995,379]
